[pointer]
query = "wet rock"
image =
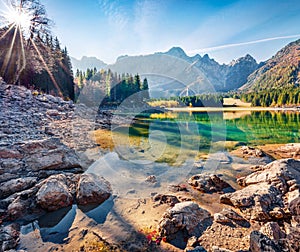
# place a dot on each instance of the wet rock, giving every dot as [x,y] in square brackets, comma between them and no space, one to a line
[92,189]
[185,216]
[255,201]
[260,242]
[209,183]
[54,193]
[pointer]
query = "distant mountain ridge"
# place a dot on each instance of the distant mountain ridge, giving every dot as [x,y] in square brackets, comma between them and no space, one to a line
[282,70]
[87,62]
[223,77]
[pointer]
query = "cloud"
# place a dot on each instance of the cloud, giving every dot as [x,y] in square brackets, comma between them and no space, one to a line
[115,12]
[221,47]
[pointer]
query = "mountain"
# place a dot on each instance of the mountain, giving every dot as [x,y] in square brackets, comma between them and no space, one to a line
[282,70]
[175,73]
[87,62]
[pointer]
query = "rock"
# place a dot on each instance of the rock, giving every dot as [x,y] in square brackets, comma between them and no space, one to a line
[165,199]
[151,179]
[273,231]
[260,243]
[294,208]
[54,193]
[16,185]
[228,216]
[288,151]
[218,249]
[250,151]
[50,154]
[255,201]
[208,183]
[196,249]
[9,237]
[281,173]
[185,216]
[92,189]
[8,153]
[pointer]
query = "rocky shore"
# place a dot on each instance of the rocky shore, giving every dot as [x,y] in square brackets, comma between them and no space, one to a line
[42,169]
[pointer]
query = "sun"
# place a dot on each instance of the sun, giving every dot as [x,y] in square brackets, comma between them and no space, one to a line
[15,14]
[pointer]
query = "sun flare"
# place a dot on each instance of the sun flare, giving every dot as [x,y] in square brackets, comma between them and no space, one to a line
[16,14]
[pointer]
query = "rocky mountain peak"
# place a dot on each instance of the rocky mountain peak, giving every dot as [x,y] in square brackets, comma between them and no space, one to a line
[177,52]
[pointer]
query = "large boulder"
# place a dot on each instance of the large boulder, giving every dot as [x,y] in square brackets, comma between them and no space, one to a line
[208,183]
[185,216]
[284,174]
[54,193]
[92,189]
[259,202]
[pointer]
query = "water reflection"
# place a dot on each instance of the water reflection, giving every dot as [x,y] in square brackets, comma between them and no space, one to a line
[55,226]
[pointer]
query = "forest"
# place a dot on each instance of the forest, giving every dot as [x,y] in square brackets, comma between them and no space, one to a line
[106,88]
[273,97]
[32,57]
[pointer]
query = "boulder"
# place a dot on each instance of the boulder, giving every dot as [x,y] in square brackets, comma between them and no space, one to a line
[208,183]
[92,189]
[255,201]
[283,174]
[185,216]
[54,193]
[260,242]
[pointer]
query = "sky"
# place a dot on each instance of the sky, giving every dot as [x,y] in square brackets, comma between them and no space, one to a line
[224,29]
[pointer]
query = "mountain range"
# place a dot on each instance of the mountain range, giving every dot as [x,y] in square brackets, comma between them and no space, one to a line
[280,71]
[175,73]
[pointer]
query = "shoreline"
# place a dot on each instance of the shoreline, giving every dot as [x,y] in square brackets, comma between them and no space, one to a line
[229,109]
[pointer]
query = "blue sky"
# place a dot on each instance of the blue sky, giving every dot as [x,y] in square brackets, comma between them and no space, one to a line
[110,28]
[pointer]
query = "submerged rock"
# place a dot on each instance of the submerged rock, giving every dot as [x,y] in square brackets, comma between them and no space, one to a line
[209,183]
[92,189]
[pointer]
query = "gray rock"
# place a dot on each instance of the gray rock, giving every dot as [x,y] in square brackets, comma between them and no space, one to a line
[281,173]
[208,183]
[92,189]
[54,193]
[255,201]
[185,216]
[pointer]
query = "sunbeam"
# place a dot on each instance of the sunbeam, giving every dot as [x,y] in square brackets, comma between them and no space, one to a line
[9,53]
[46,67]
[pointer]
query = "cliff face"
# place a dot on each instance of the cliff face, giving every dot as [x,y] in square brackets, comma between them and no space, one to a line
[282,70]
